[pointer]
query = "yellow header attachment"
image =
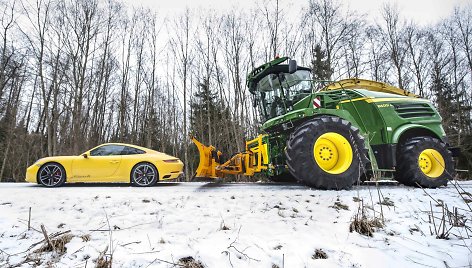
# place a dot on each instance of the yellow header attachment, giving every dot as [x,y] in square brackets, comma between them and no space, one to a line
[209,160]
[353,83]
[254,160]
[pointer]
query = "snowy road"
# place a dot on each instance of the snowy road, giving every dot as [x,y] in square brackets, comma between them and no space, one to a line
[230,225]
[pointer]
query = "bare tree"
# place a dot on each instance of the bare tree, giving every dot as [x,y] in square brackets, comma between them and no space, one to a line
[332,26]
[392,34]
[180,45]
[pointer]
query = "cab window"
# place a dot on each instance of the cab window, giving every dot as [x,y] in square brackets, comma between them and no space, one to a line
[110,149]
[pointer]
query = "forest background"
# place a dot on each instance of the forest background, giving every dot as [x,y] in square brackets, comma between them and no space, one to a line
[78,73]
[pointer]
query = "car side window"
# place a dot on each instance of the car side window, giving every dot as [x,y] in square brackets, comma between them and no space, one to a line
[110,149]
[130,150]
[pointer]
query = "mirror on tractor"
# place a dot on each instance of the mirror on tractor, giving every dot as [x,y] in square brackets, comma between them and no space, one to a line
[292,66]
[85,155]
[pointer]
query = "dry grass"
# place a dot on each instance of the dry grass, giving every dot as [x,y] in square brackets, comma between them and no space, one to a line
[338,206]
[85,237]
[58,244]
[319,254]
[387,202]
[190,262]
[103,261]
[362,224]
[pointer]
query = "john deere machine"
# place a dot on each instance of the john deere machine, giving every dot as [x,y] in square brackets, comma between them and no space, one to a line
[335,136]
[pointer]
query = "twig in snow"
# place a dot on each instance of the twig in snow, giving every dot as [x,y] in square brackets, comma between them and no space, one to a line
[159,260]
[29,219]
[4,252]
[147,252]
[149,241]
[46,237]
[231,246]
[110,232]
[130,243]
[26,223]
[453,218]
[121,229]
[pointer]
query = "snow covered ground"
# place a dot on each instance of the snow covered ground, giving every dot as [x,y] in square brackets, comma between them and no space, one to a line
[230,225]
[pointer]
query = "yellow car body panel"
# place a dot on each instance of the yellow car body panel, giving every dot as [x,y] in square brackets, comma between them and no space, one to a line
[109,168]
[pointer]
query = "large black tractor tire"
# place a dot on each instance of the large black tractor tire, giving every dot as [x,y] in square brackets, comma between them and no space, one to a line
[424,162]
[337,161]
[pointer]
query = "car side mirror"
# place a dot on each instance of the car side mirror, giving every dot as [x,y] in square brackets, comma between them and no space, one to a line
[292,66]
[85,155]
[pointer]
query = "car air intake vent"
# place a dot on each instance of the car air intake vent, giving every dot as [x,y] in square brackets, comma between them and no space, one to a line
[413,110]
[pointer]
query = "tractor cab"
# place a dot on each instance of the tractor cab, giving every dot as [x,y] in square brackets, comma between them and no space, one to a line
[278,87]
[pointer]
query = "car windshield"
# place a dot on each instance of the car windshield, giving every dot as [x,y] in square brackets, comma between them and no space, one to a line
[279,92]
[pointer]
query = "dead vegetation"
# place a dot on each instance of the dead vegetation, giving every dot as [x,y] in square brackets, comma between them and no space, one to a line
[103,260]
[319,254]
[85,237]
[232,249]
[339,206]
[446,221]
[57,244]
[387,202]
[363,224]
[189,262]
[223,226]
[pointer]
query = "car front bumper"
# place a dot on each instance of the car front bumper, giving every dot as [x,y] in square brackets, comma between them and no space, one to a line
[31,173]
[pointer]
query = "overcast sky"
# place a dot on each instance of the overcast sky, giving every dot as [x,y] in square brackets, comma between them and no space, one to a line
[421,11]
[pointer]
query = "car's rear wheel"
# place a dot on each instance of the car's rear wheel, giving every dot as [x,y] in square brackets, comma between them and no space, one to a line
[144,175]
[51,175]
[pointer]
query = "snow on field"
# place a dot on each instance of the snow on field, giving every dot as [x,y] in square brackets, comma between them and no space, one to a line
[229,225]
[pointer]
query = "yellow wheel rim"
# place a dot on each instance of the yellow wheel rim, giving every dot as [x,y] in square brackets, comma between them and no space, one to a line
[431,163]
[333,153]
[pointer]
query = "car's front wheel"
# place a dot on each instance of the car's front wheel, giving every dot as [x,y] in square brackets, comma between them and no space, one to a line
[327,153]
[51,175]
[144,175]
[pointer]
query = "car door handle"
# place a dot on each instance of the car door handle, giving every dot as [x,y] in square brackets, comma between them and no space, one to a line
[114,161]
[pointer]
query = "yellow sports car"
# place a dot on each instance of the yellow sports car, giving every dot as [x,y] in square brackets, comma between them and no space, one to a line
[110,162]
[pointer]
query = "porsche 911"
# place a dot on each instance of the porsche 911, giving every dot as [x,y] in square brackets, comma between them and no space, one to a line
[110,162]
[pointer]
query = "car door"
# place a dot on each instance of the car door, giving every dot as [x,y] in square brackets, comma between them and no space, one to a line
[99,164]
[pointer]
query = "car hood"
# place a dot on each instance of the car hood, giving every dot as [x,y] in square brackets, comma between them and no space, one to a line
[55,159]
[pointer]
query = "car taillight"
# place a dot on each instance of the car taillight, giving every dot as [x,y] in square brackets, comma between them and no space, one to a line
[171,160]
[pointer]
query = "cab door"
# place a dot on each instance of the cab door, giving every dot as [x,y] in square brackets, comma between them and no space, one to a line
[100,164]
